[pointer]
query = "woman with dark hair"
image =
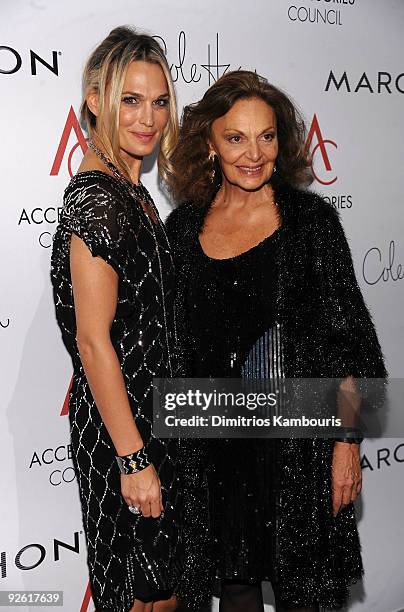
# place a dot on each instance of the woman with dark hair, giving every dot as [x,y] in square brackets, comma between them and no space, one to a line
[113,282]
[266,288]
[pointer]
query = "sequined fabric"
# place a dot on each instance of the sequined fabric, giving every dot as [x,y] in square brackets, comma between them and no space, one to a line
[327,331]
[230,308]
[129,556]
[229,304]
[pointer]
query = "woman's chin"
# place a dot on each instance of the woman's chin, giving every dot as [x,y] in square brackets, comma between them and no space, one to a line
[251,184]
[138,150]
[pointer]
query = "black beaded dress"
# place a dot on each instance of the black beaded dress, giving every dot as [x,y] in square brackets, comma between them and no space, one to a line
[231,313]
[129,556]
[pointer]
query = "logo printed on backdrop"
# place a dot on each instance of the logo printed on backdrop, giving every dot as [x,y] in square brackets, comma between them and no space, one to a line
[321,164]
[32,555]
[11,61]
[59,456]
[65,407]
[319,12]
[189,71]
[86,599]
[384,457]
[322,148]
[4,323]
[37,217]
[50,215]
[373,270]
[72,124]
[40,215]
[381,82]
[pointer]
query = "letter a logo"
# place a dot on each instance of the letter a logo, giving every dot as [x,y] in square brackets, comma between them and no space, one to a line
[320,146]
[72,123]
[65,407]
[86,599]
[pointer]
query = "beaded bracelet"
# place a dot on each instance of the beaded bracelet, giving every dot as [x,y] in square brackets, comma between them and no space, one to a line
[133,463]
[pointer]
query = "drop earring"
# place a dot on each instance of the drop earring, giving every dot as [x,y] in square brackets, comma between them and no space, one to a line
[212,157]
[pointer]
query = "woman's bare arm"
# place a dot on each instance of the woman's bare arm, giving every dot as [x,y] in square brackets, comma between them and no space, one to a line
[95,291]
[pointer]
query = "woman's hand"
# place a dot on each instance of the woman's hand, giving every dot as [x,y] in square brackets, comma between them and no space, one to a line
[143,490]
[346,475]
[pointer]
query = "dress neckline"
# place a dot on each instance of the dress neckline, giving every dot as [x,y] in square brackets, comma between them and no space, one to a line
[243,253]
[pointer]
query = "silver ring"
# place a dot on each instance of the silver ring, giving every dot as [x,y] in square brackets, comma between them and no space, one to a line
[134,509]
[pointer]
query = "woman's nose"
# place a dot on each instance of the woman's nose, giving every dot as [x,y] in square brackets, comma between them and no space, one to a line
[146,116]
[253,151]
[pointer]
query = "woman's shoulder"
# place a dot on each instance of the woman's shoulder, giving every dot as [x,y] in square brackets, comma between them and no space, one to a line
[320,223]
[311,207]
[182,219]
[94,183]
[96,193]
[97,203]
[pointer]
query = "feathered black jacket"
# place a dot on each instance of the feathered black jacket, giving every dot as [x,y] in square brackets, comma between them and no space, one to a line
[327,331]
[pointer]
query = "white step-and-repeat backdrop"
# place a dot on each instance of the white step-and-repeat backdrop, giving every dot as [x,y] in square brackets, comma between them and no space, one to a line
[342,62]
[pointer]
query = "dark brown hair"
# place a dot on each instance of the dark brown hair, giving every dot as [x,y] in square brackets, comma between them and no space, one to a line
[192,179]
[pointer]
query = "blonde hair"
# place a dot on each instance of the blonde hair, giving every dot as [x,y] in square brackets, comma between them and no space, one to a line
[107,65]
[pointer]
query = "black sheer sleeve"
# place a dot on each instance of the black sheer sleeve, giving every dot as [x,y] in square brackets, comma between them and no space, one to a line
[95,213]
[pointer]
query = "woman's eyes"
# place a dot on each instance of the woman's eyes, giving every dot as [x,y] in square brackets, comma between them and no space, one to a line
[234,138]
[162,103]
[132,100]
[237,138]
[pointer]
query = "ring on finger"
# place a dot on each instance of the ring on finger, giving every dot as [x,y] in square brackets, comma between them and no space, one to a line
[134,509]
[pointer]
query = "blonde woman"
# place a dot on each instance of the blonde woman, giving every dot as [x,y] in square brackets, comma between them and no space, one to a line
[113,282]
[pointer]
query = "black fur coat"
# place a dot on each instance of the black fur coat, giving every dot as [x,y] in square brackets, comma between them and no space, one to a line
[327,332]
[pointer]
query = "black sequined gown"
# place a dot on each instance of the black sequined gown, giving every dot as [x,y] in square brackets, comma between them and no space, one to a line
[128,555]
[230,305]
